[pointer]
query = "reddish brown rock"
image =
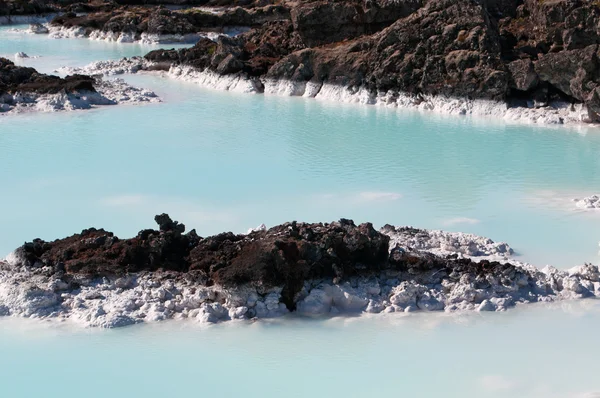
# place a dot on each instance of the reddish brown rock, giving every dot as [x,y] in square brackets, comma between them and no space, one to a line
[15,78]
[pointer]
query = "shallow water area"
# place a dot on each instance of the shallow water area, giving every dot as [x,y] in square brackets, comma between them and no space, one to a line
[47,54]
[533,351]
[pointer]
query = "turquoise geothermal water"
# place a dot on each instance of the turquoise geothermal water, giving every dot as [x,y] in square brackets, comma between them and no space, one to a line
[53,53]
[225,161]
[529,352]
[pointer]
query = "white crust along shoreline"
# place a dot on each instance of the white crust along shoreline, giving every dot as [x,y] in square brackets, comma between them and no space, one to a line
[556,113]
[41,26]
[30,292]
[108,92]
[60,32]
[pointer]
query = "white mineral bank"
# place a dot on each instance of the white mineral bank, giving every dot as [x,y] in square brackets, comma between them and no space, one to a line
[61,32]
[25,292]
[555,113]
[109,92]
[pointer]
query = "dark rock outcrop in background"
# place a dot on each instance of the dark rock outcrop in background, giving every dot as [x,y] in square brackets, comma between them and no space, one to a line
[504,50]
[25,7]
[163,21]
[27,80]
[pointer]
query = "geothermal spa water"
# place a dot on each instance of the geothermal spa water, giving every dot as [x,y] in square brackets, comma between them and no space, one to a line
[530,352]
[225,161]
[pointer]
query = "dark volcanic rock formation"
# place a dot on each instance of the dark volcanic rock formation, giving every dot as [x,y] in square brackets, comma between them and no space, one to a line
[525,52]
[101,280]
[323,22]
[286,255]
[10,8]
[536,51]
[162,21]
[15,79]
[446,47]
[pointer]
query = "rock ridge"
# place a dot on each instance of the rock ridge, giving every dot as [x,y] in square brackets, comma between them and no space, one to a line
[97,279]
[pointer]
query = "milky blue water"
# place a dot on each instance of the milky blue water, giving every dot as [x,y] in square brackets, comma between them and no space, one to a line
[225,161]
[47,54]
[529,353]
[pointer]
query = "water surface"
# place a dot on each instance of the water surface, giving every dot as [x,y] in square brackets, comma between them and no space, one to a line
[533,352]
[47,54]
[225,161]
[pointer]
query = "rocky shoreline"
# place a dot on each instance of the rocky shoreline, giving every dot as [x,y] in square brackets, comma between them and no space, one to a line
[555,113]
[519,60]
[98,280]
[23,89]
[533,56]
[143,38]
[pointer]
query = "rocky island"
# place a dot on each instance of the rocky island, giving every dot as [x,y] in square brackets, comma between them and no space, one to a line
[96,279]
[23,89]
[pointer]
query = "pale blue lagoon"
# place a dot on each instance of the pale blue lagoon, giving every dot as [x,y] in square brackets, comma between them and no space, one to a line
[225,161]
[530,352]
[47,54]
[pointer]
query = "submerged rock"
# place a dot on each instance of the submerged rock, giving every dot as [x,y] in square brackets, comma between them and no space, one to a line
[98,279]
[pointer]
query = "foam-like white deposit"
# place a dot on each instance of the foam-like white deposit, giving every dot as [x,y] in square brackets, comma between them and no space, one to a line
[444,243]
[60,32]
[35,292]
[108,92]
[237,83]
[38,29]
[130,299]
[590,202]
[234,82]
[554,113]
[109,68]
